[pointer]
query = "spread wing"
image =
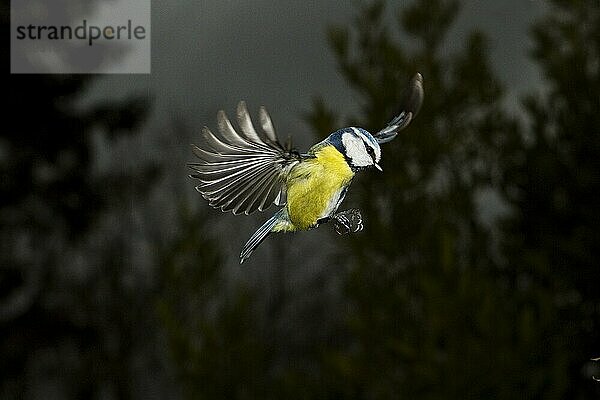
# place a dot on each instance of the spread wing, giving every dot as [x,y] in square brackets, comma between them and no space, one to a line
[242,172]
[413,99]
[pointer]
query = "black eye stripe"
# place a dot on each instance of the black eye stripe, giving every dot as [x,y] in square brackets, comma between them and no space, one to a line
[370,151]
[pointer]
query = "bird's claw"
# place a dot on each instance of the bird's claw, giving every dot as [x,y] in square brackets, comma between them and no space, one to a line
[349,221]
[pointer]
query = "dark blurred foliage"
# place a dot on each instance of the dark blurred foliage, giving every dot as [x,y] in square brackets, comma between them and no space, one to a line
[213,333]
[552,182]
[437,298]
[68,321]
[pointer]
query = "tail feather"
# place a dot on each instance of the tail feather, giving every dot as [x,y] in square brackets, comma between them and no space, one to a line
[257,238]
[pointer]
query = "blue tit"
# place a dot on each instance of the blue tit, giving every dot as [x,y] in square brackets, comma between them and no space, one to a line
[249,171]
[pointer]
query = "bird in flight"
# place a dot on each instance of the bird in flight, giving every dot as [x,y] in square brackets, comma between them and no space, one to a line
[248,170]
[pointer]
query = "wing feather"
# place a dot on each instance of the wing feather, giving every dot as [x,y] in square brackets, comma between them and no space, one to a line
[413,98]
[218,146]
[267,125]
[239,178]
[245,123]
[231,196]
[252,193]
[227,132]
[242,171]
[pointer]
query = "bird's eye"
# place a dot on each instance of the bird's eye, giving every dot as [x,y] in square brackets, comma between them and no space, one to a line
[370,152]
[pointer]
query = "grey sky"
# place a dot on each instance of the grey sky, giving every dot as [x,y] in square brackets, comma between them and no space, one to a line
[208,55]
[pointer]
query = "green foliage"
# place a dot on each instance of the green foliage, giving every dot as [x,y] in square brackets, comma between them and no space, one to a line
[214,336]
[553,184]
[62,326]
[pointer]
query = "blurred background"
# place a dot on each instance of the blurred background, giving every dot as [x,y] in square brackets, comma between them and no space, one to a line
[476,276]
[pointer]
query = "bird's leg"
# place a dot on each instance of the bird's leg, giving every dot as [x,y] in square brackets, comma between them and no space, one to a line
[349,221]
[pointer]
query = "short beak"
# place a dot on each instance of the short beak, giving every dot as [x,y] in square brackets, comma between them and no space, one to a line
[378,167]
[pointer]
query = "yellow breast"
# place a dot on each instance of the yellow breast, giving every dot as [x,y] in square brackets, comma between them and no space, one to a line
[314,186]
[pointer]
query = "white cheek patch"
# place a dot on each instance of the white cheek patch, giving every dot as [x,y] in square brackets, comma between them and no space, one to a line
[355,150]
[370,141]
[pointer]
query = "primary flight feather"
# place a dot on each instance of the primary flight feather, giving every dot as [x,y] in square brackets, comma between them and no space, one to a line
[249,169]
